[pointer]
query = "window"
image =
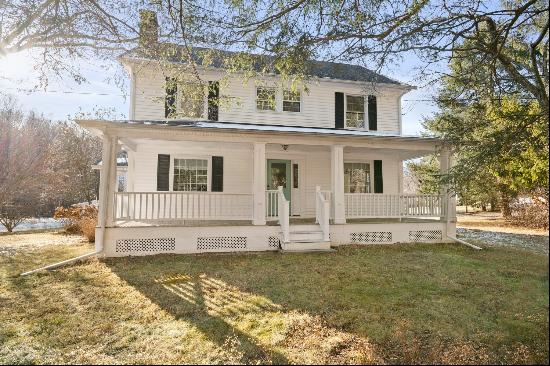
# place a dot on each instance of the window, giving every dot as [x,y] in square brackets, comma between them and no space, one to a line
[355,111]
[295,176]
[291,101]
[191,100]
[121,180]
[357,178]
[265,99]
[190,175]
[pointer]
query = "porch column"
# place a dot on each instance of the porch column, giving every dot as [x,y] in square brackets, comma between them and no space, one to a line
[104,179]
[445,164]
[337,179]
[111,187]
[259,183]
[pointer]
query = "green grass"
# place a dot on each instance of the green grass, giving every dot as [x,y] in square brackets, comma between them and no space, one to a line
[394,304]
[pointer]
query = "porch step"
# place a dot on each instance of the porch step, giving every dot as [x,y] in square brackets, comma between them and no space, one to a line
[306,236]
[305,246]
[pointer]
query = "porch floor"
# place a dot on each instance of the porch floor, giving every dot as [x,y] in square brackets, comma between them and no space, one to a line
[293,221]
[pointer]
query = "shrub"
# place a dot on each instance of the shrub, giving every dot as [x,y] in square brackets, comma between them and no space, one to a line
[531,212]
[79,219]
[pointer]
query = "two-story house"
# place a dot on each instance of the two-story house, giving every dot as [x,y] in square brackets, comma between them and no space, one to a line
[276,168]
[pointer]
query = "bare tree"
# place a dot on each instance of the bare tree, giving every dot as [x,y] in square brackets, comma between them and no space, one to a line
[72,154]
[24,141]
[64,31]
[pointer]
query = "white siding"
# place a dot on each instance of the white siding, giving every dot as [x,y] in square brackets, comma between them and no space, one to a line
[237,163]
[240,101]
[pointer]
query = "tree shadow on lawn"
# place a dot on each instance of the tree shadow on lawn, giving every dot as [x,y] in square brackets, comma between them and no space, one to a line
[417,304]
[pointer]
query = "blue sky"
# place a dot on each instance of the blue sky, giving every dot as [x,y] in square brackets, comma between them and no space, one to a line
[64,99]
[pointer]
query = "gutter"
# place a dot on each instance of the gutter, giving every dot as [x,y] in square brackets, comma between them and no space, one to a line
[61,264]
[463,242]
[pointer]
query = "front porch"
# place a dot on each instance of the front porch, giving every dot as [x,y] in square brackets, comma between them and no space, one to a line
[189,192]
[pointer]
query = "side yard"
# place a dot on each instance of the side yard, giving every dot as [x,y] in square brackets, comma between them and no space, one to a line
[419,303]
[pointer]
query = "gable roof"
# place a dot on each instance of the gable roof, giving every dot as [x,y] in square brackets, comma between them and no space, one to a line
[322,69]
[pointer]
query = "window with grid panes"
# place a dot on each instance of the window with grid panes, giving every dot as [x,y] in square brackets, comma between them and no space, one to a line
[291,101]
[357,178]
[190,175]
[355,111]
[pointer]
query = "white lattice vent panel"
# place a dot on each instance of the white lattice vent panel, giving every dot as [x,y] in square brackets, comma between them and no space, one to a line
[425,235]
[368,237]
[221,242]
[273,242]
[146,245]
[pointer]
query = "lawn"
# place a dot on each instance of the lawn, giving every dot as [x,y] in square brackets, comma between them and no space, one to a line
[421,303]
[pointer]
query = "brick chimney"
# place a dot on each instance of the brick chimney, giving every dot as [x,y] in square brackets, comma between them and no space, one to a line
[148,28]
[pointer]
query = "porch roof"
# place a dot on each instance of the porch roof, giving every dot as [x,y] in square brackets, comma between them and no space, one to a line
[265,128]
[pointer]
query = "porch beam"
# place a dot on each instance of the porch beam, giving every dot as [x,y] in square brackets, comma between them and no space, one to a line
[337,179]
[169,133]
[259,183]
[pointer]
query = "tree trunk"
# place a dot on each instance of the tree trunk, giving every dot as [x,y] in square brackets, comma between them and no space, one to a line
[493,205]
[484,208]
[505,205]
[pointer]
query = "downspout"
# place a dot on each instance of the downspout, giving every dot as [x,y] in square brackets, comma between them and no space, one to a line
[61,264]
[463,242]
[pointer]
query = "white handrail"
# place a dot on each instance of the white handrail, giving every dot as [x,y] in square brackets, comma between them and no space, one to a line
[166,206]
[284,215]
[322,212]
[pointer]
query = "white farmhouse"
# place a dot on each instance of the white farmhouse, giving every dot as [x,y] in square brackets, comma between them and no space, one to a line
[278,168]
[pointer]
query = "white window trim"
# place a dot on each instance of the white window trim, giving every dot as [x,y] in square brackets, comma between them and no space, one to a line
[198,157]
[366,113]
[371,168]
[283,100]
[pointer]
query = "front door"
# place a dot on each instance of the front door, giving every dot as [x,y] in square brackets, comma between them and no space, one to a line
[278,174]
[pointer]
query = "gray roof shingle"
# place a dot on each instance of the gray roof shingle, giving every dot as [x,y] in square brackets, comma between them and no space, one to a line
[322,69]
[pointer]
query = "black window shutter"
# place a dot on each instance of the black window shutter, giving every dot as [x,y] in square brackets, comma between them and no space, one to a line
[217,173]
[373,113]
[163,172]
[338,110]
[170,99]
[213,98]
[378,180]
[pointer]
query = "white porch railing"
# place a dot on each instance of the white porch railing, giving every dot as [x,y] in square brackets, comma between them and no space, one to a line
[144,206]
[322,212]
[283,214]
[271,199]
[361,205]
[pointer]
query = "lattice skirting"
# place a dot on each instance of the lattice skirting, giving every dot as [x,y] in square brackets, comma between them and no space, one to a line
[221,242]
[165,245]
[425,235]
[369,237]
[273,242]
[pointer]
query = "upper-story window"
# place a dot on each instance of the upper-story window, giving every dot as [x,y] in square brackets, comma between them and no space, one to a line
[190,100]
[355,111]
[291,101]
[265,99]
